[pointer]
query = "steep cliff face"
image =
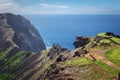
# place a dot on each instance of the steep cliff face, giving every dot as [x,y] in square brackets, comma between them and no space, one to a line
[19,40]
[19,32]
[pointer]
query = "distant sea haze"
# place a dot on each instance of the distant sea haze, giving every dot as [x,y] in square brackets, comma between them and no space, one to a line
[63,29]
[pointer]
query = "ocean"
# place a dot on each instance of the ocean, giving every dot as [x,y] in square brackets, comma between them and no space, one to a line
[63,29]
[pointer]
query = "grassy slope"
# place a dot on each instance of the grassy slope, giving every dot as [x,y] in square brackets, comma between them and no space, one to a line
[10,62]
[113,38]
[78,61]
[14,60]
[117,40]
[6,76]
[3,54]
[114,55]
[103,35]
[111,72]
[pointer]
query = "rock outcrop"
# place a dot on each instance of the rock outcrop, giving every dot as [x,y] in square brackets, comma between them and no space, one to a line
[81,41]
[56,50]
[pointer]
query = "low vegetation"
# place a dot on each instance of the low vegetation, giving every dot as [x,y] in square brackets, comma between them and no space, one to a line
[103,35]
[110,70]
[105,41]
[116,40]
[114,55]
[6,76]
[4,53]
[78,61]
[14,60]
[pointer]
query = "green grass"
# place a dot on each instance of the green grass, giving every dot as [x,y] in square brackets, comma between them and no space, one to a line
[114,55]
[6,76]
[84,61]
[3,54]
[117,40]
[110,70]
[78,62]
[103,35]
[106,41]
[14,60]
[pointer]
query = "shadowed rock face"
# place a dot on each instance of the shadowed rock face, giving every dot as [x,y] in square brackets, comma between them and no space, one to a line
[20,33]
[55,51]
[81,41]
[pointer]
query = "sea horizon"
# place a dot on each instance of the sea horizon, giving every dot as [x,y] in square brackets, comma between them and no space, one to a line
[63,29]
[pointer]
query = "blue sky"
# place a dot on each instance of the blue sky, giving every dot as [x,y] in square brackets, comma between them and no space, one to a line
[61,6]
[105,3]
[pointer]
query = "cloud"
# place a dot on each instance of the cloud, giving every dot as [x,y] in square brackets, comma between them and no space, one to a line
[53,6]
[66,9]
[8,6]
[12,7]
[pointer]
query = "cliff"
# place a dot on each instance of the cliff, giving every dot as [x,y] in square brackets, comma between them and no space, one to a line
[16,31]
[18,40]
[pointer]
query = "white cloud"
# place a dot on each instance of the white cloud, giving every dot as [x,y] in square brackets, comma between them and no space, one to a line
[53,6]
[9,6]
[65,9]
[12,7]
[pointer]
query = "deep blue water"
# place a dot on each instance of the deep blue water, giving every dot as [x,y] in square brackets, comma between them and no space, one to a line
[63,29]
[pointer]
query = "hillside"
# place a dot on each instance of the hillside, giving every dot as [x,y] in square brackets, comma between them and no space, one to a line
[94,58]
[18,40]
[23,55]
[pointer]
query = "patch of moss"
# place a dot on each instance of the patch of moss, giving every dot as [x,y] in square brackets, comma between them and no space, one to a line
[105,41]
[6,76]
[113,55]
[78,62]
[14,60]
[116,40]
[3,54]
[103,35]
